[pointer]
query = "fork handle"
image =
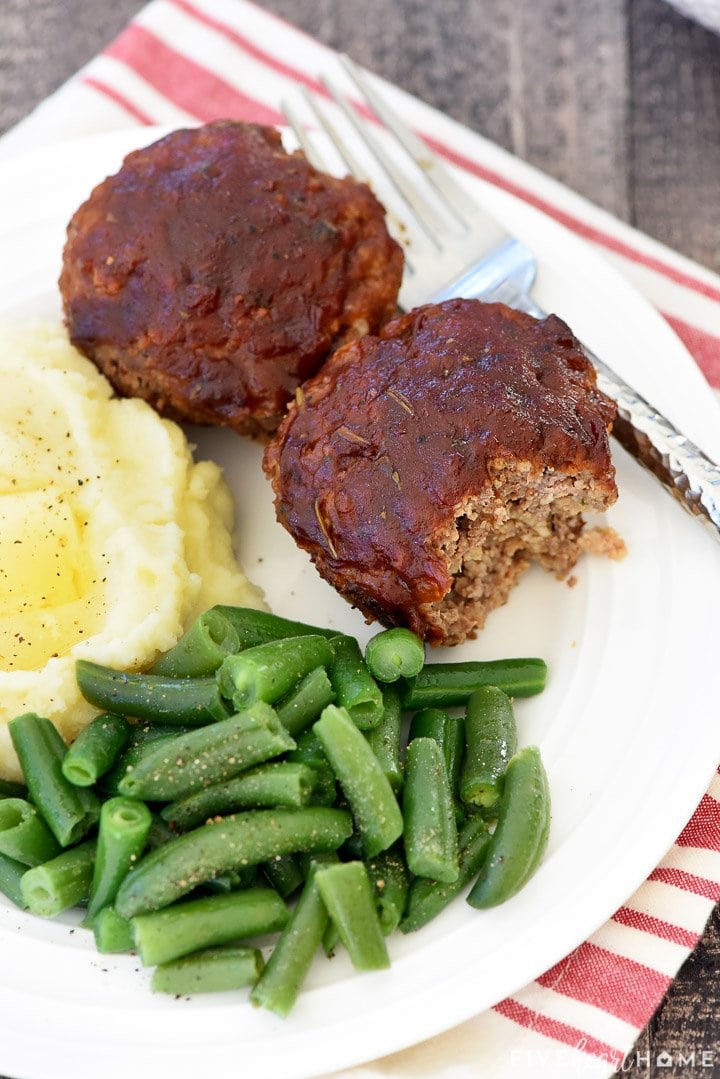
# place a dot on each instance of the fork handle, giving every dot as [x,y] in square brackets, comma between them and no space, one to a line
[687,473]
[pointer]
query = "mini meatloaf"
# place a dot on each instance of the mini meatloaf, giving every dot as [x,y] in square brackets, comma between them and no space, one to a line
[215,272]
[426,467]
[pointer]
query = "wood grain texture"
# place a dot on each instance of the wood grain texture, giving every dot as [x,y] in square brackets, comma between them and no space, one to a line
[687,1023]
[620,99]
[568,95]
[675,129]
[44,42]
[517,73]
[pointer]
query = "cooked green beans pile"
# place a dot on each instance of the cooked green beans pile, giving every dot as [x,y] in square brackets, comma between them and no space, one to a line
[266,777]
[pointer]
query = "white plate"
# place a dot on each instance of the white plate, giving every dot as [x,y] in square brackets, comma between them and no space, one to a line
[627,726]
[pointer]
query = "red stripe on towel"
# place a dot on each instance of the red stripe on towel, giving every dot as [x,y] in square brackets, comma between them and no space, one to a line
[559,1032]
[704,347]
[703,828]
[249,47]
[618,985]
[687,882]
[189,85]
[589,232]
[119,99]
[656,927]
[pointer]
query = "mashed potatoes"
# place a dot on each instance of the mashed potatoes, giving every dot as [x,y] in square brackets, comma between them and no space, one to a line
[111,538]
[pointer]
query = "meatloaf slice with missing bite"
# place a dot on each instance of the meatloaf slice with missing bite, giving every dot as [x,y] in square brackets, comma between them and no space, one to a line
[425,468]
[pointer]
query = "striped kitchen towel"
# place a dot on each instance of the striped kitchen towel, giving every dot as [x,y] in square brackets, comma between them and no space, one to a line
[182,61]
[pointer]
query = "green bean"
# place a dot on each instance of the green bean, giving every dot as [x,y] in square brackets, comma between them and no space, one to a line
[248,876]
[96,749]
[8,789]
[429,723]
[284,874]
[390,881]
[282,783]
[212,971]
[278,986]
[427,898]
[444,684]
[448,731]
[303,705]
[367,789]
[24,836]
[521,834]
[144,740]
[194,702]
[260,627]
[207,755]
[204,923]
[345,891]
[112,933]
[232,881]
[309,861]
[394,653]
[325,789]
[160,833]
[68,811]
[60,883]
[430,835]
[123,832]
[355,688]
[385,739]
[453,748]
[491,737]
[248,839]
[353,849]
[11,875]
[201,650]
[269,671]
[309,751]
[330,938]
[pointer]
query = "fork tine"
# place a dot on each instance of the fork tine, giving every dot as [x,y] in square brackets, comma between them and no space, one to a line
[315,159]
[342,148]
[349,158]
[430,222]
[293,118]
[454,196]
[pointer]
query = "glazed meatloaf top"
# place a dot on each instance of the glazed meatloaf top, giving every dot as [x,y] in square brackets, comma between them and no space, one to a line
[215,272]
[399,430]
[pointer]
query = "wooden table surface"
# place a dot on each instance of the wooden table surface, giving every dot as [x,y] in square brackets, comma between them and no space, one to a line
[620,99]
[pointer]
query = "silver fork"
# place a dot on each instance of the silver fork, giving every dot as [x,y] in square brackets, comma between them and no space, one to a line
[455,248]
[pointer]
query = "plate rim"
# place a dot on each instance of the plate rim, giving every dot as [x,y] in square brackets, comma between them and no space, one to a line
[391,1042]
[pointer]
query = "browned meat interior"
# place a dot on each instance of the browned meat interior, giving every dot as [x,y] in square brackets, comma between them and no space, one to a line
[528,515]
